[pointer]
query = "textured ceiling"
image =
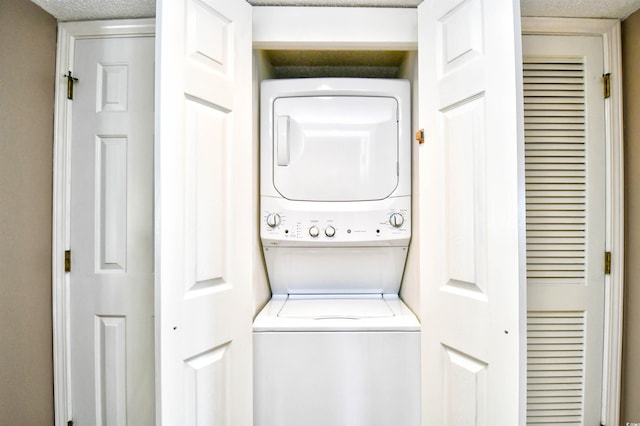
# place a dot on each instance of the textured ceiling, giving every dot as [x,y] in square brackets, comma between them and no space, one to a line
[82,10]
[580,8]
[76,10]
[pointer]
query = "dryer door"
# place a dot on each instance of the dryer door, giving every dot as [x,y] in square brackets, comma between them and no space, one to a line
[335,148]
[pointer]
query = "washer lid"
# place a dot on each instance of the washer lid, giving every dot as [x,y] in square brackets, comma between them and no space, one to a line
[355,308]
[310,313]
[335,148]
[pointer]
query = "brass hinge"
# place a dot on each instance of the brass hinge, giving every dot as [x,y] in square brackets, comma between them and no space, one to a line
[606,82]
[420,136]
[70,80]
[607,263]
[67,261]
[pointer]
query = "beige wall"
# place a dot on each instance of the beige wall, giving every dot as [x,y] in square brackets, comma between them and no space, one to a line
[27,68]
[631,352]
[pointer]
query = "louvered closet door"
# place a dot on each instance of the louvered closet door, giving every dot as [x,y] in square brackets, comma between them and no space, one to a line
[565,177]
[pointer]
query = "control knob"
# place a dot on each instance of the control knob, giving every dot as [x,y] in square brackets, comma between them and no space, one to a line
[273,220]
[314,231]
[330,231]
[396,220]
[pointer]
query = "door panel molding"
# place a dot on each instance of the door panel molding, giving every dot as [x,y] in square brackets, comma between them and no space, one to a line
[609,29]
[471,203]
[68,34]
[203,205]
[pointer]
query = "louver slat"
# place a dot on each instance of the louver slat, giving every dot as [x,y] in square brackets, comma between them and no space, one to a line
[555,364]
[555,179]
[555,171]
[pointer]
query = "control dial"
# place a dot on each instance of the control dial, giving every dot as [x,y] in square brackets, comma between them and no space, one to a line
[396,220]
[330,231]
[314,231]
[273,220]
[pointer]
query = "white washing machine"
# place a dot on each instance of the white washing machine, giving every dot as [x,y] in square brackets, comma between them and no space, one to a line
[335,345]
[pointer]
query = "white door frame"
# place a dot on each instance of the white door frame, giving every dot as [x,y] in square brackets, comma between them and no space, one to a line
[68,33]
[609,29]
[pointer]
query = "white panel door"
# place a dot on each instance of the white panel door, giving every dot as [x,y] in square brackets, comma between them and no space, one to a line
[565,186]
[204,184]
[111,233]
[471,189]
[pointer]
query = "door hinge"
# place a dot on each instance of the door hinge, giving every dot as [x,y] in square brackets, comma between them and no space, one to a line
[420,136]
[70,81]
[70,423]
[607,263]
[606,83]
[67,261]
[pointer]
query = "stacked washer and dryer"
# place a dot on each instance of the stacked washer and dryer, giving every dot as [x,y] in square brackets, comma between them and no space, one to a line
[335,345]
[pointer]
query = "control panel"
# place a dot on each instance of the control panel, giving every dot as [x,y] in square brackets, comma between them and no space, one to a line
[390,225]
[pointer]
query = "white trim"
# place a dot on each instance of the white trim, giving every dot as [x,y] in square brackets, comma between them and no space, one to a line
[68,33]
[280,27]
[615,241]
[567,26]
[609,29]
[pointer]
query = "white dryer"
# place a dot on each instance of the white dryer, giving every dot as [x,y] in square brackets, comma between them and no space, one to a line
[335,345]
